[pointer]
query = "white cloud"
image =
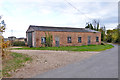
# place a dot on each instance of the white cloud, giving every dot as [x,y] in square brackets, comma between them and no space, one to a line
[111,25]
[95,0]
[19,14]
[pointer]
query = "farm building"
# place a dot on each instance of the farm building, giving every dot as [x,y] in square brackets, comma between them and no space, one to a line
[62,36]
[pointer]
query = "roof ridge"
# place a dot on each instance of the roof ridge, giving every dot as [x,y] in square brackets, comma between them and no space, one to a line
[56,27]
[63,29]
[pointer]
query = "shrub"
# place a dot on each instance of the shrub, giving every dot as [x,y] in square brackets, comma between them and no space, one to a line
[49,39]
[4,47]
[18,43]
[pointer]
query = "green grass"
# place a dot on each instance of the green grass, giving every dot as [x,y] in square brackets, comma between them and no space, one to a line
[14,62]
[72,48]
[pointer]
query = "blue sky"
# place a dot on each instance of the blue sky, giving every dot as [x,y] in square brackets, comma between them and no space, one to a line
[19,14]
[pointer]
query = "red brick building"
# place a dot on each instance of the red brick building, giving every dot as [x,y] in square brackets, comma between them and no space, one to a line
[62,36]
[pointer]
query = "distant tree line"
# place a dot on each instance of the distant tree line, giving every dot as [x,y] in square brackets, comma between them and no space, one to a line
[106,35]
[113,35]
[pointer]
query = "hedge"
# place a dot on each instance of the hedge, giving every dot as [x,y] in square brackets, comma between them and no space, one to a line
[18,43]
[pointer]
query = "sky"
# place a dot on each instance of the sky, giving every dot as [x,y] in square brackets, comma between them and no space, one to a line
[19,14]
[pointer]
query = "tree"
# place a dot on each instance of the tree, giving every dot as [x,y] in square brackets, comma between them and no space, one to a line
[3,44]
[113,35]
[89,25]
[98,25]
[2,25]
[118,31]
[94,25]
[109,36]
[102,30]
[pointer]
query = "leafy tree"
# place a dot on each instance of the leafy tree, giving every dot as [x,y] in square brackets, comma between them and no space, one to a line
[118,31]
[109,36]
[103,30]
[113,35]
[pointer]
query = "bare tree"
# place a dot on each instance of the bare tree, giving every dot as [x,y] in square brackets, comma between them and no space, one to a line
[96,24]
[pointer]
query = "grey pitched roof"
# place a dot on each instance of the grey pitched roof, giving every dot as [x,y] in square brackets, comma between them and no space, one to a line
[59,29]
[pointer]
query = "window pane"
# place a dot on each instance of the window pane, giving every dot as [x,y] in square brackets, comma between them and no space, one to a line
[79,40]
[43,40]
[69,39]
[89,39]
[97,39]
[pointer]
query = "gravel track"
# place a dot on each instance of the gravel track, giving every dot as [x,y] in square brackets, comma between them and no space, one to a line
[44,60]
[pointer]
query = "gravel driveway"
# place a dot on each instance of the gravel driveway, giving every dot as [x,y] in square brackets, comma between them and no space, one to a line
[44,60]
[103,65]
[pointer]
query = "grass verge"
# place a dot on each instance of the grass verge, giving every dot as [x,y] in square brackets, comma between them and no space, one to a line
[13,62]
[72,48]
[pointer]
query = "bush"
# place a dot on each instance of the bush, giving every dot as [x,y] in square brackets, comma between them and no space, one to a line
[49,39]
[18,43]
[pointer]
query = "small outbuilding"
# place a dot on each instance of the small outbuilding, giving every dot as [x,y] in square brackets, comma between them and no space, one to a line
[62,36]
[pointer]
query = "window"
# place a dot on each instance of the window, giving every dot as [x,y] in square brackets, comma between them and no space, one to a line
[79,40]
[43,40]
[69,40]
[89,40]
[97,39]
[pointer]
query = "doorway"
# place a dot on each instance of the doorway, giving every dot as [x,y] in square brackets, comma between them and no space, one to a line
[57,42]
[89,40]
[30,39]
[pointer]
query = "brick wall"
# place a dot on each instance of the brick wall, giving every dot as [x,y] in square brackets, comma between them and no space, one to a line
[74,36]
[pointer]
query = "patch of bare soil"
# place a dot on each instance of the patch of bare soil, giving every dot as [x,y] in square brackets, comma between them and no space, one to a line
[44,60]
